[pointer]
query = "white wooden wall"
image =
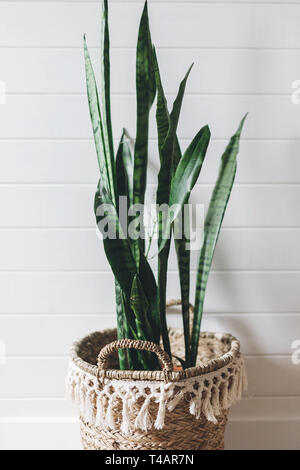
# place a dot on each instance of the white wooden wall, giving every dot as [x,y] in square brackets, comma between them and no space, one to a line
[55,284]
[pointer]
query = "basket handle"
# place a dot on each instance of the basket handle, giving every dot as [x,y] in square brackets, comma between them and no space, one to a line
[133,344]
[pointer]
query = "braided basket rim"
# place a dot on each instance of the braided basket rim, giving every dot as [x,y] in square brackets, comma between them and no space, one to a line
[201,369]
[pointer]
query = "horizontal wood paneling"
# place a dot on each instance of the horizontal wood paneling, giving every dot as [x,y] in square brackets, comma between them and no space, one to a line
[82,250]
[282,434]
[240,435]
[273,375]
[245,25]
[265,408]
[268,408]
[41,435]
[216,71]
[246,58]
[21,408]
[77,293]
[76,162]
[66,117]
[260,423]
[44,377]
[52,335]
[34,377]
[72,206]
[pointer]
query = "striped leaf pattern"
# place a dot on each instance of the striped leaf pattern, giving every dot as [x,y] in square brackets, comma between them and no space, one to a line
[107,127]
[183,262]
[96,118]
[183,255]
[212,226]
[117,246]
[124,169]
[145,93]
[185,178]
[163,126]
[169,152]
[140,301]
[121,322]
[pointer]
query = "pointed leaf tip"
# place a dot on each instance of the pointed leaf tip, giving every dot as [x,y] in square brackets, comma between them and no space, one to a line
[145,9]
[206,129]
[240,128]
[244,118]
[189,71]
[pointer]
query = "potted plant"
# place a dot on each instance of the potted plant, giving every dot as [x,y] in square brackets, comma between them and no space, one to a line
[129,393]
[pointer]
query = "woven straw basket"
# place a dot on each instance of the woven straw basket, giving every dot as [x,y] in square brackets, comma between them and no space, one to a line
[154,410]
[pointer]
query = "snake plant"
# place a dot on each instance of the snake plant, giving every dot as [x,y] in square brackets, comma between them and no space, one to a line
[140,297]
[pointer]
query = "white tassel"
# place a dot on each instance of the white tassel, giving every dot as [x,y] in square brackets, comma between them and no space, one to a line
[231,392]
[82,398]
[235,387]
[125,426]
[216,401]
[110,420]
[89,407]
[132,402]
[160,418]
[193,408]
[208,409]
[143,420]
[77,393]
[70,391]
[209,395]
[70,385]
[224,399]
[99,420]
[199,401]
[174,402]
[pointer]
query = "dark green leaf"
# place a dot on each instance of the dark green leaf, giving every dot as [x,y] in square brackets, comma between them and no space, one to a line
[163,125]
[145,90]
[150,288]
[119,255]
[140,306]
[130,333]
[181,361]
[162,112]
[107,127]
[117,249]
[96,118]
[183,261]
[124,167]
[212,226]
[169,156]
[162,295]
[185,178]
[168,148]
[121,324]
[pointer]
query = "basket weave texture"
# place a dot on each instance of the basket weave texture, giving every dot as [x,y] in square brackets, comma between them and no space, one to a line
[155,410]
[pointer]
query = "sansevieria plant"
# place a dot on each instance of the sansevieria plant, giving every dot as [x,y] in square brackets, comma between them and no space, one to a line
[140,298]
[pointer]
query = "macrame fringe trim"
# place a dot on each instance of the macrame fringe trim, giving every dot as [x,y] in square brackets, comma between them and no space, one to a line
[209,394]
